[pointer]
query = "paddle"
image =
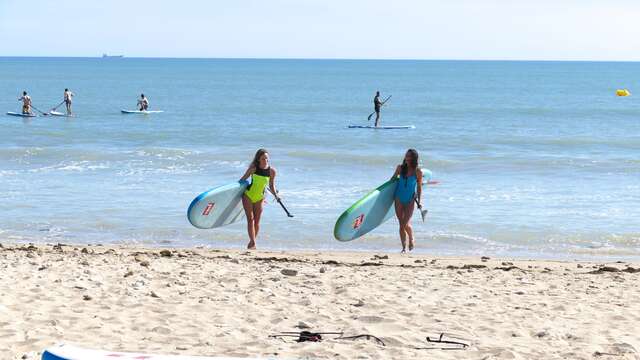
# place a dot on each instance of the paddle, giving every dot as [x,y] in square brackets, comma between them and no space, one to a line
[423,213]
[38,110]
[56,108]
[384,102]
[281,204]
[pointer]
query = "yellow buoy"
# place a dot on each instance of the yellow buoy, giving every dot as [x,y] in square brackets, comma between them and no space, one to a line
[623,92]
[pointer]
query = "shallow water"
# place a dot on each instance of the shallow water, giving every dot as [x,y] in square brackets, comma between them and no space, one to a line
[535,159]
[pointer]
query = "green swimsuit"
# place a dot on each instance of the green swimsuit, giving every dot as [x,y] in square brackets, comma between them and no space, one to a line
[259,182]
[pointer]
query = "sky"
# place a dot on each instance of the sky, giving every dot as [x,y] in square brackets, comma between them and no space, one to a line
[351,29]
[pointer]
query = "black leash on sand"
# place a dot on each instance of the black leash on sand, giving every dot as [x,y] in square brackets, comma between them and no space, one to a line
[304,336]
[456,344]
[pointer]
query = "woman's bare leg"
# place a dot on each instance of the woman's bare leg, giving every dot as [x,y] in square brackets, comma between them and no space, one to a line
[257,214]
[248,211]
[408,213]
[400,216]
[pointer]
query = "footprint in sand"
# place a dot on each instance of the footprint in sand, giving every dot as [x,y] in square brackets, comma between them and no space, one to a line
[373,319]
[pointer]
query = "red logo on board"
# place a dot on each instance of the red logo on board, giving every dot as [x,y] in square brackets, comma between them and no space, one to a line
[208,209]
[358,221]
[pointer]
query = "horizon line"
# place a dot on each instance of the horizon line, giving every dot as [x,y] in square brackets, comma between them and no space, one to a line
[117,57]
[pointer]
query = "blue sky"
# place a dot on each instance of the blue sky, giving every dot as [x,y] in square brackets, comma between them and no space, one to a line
[399,29]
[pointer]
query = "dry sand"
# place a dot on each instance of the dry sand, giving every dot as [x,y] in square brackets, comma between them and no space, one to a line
[223,302]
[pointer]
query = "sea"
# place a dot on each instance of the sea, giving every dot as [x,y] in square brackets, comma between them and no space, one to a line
[534,160]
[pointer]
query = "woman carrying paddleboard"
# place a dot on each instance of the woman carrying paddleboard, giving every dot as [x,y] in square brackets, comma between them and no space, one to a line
[262,175]
[408,191]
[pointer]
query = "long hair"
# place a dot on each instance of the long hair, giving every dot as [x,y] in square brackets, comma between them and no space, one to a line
[256,158]
[404,169]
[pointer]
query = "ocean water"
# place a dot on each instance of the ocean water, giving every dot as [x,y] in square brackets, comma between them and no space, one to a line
[535,159]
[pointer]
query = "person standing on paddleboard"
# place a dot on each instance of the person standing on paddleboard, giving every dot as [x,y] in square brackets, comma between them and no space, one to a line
[262,175]
[377,104]
[68,99]
[408,191]
[143,103]
[26,103]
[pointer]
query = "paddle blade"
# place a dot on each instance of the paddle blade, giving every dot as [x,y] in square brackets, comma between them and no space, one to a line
[423,213]
[370,115]
[284,208]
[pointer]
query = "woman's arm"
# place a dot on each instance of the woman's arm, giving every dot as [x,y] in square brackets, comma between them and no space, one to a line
[272,183]
[419,185]
[250,170]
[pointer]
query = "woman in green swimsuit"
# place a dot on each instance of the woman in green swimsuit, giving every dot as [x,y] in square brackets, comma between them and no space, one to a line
[262,175]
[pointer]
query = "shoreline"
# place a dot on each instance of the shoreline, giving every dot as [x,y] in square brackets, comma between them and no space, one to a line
[226,302]
[584,255]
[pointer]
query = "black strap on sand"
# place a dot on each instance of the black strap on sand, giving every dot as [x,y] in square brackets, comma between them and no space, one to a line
[304,336]
[456,344]
[363,336]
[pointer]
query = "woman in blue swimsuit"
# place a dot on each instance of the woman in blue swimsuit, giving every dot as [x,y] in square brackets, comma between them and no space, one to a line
[408,191]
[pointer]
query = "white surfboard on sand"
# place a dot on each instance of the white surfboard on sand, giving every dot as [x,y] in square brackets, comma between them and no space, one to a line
[70,352]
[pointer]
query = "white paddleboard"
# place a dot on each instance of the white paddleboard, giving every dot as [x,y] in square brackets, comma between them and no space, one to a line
[217,207]
[142,112]
[57,113]
[389,127]
[69,352]
[21,114]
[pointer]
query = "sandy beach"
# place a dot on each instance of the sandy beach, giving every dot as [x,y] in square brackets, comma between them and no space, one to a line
[224,302]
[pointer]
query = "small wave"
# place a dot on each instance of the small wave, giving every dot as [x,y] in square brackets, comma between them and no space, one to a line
[71,166]
[166,153]
[362,159]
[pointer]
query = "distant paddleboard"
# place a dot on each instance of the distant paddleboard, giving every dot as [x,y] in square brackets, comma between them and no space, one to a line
[217,207]
[21,114]
[68,352]
[56,113]
[142,111]
[369,212]
[390,127]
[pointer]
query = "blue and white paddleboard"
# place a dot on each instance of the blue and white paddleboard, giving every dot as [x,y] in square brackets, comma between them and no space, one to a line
[369,212]
[389,127]
[142,111]
[217,207]
[69,352]
[20,114]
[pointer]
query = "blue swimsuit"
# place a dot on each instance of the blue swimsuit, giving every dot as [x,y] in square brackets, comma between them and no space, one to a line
[406,189]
